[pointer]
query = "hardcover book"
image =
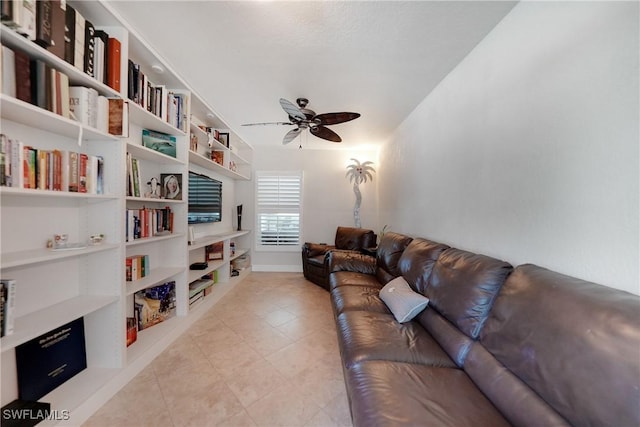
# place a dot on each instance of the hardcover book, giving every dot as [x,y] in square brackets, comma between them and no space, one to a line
[118,117]
[46,362]
[58,23]
[43,23]
[69,34]
[155,305]
[8,306]
[113,66]
[89,48]
[23,76]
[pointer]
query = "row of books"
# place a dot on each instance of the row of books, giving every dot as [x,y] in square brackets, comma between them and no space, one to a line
[61,29]
[23,166]
[137,267]
[169,105]
[147,222]
[35,82]
[200,288]
[7,306]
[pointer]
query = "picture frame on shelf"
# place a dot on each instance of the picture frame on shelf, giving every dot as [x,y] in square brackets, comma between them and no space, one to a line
[171,186]
[224,139]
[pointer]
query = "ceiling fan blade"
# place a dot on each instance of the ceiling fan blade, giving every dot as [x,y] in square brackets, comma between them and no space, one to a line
[267,123]
[325,133]
[292,110]
[335,118]
[291,135]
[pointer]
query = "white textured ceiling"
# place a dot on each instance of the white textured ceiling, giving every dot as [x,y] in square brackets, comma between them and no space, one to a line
[379,59]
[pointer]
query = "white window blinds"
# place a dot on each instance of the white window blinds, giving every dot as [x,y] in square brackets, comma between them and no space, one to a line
[278,209]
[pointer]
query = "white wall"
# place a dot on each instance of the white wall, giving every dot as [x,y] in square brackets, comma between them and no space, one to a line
[328,197]
[528,150]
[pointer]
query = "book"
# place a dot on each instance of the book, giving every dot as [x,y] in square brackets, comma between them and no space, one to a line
[83,103]
[102,114]
[69,34]
[58,23]
[114,61]
[89,48]
[23,76]
[27,19]
[8,71]
[78,50]
[118,117]
[101,55]
[82,172]
[41,84]
[74,168]
[132,330]
[160,142]
[47,361]
[155,304]
[43,23]
[9,306]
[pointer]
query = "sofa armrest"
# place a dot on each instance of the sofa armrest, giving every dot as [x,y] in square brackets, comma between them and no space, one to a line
[315,249]
[338,260]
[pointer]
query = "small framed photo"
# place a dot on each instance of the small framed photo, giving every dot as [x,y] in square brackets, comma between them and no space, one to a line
[171,185]
[224,139]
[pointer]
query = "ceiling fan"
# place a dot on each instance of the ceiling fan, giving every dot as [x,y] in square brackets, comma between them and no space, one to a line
[303,118]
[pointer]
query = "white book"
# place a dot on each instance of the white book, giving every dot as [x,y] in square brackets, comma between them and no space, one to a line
[102,114]
[17,163]
[64,95]
[78,60]
[98,59]
[8,72]
[27,19]
[83,103]
[9,305]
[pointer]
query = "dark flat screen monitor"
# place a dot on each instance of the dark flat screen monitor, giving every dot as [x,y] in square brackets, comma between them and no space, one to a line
[205,199]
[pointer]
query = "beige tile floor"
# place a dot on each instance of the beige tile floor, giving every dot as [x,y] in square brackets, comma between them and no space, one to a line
[265,355]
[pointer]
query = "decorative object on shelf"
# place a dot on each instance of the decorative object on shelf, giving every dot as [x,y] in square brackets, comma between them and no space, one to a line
[132,330]
[217,156]
[193,143]
[232,166]
[239,211]
[171,186]
[215,251]
[359,173]
[160,142]
[155,305]
[223,138]
[96,239]
[304,119]
[192,235]
[60,240]
[154,189]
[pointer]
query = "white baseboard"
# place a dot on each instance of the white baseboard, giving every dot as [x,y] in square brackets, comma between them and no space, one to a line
[278,268]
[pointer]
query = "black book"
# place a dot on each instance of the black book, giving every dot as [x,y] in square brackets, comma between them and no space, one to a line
[105,56]
[58,20]
[46,362]
[89,48]
[40,84]
[70,35]
[43,23]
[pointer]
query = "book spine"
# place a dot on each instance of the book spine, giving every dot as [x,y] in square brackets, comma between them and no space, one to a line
[79,104]
[23,76]
[17,164]
[69,34]
[9,306]
[82,172]
[113,72]
[78,50]
[43,23]
[27,24]
[58,23]
[8,72]
[74,167]
[89,48]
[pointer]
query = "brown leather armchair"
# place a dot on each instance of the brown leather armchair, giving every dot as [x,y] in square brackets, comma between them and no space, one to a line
[314,265]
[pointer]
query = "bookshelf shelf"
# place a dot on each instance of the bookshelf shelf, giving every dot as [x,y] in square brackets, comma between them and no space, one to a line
[239,253]
[215,238]
[213,265]
[155,239]
[200,160]
[35,324]
[147,120]
[150,200]
[156,276]
[140,152]
[35,256]
[35,193]
[27,114]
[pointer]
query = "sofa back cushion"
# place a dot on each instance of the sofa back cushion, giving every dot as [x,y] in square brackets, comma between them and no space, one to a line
[388,254]
[354,239]
[576,344]
[463,287]
[417,261]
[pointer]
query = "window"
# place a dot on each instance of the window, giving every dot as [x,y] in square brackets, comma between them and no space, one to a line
[278,210]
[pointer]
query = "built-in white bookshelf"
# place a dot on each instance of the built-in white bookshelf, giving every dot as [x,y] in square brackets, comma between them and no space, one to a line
[55,287]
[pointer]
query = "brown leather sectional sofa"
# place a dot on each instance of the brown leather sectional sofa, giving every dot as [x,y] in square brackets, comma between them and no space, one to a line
[495,345]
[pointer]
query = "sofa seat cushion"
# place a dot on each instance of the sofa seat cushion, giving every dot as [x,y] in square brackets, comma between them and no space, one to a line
[351,278]
[362,298]
[366,335]
[395,394]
